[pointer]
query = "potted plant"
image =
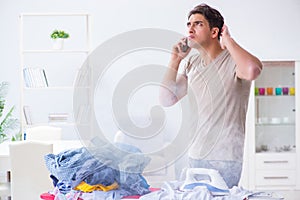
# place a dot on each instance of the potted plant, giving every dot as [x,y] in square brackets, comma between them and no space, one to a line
[58,37]
[7,122]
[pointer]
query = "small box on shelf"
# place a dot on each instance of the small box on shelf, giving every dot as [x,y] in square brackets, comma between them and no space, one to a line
[58,117]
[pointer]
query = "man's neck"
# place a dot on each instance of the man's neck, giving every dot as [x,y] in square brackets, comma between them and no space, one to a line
[210,52]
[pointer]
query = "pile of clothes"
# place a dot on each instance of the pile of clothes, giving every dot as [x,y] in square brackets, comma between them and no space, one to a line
[173,190]
[103,171]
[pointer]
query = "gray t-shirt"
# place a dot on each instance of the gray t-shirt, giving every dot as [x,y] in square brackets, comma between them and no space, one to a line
[221,104]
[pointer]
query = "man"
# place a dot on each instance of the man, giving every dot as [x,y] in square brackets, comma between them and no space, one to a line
[219,77]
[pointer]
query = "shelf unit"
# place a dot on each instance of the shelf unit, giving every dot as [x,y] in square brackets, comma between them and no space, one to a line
[273,128]
[61,68]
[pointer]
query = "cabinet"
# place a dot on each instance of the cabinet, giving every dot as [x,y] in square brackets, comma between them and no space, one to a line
[48,74]
[274,127]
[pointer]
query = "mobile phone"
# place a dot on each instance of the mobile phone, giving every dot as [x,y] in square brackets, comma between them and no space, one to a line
[185,47]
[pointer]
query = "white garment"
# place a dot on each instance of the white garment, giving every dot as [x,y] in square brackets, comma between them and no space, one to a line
[171,190]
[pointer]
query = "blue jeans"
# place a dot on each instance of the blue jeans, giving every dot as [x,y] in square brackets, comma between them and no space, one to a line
[229,170]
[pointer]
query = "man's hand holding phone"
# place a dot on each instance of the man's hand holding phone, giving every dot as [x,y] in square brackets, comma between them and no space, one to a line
[185,45]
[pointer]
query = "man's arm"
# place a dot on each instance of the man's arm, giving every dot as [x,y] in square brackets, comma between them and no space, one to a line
[174,85]
[248,66]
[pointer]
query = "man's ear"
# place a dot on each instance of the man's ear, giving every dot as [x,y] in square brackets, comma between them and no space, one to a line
[215,32]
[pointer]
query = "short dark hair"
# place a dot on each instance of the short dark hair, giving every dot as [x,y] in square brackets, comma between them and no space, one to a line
[213,16]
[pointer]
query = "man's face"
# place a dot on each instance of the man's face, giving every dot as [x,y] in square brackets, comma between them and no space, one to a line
[198,31]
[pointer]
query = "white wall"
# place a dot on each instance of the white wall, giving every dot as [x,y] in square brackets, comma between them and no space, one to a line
[269,28]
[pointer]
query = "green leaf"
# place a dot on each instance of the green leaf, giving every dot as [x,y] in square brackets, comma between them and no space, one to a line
[3,137]
[59,34]
[17,137]
[8,123]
